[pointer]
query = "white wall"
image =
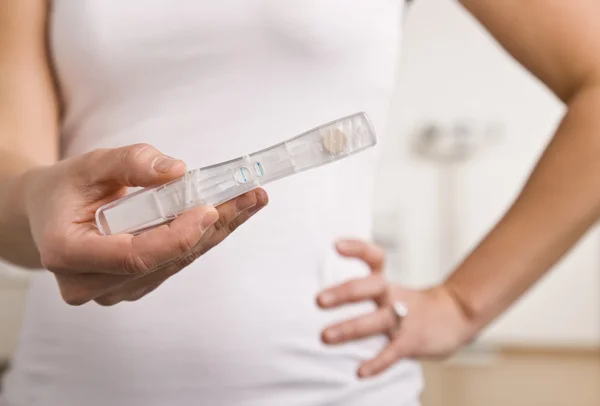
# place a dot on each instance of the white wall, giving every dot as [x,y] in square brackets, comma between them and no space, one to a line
[451,70]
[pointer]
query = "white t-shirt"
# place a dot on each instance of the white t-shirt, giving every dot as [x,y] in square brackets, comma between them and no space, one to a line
[207,81]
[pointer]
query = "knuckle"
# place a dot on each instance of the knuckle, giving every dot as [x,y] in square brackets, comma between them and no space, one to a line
[184,244]
[135,264]
[233,225]
[131,158]
[378,252]
[221,223]
[375,255]
[195,251]
[353,290]
[380,284]
[88,161]
[201,249]
[131,154]
[389,357]
[187,259]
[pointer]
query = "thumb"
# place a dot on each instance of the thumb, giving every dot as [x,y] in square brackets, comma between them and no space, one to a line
[134,165]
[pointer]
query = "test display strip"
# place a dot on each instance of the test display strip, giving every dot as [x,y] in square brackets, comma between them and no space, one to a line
[216,184]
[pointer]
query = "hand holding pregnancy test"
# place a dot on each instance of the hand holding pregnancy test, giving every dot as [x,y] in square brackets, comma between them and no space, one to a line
[216,184]
[213,185]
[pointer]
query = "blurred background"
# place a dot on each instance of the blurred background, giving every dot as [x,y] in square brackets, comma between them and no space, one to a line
[466,127]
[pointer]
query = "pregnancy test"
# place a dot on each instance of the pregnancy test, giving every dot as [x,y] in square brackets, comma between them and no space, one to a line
[216,184]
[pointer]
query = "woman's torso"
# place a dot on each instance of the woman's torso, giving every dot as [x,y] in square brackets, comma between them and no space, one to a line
[206,82]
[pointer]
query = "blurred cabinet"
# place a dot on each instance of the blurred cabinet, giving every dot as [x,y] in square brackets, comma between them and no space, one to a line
[516,379]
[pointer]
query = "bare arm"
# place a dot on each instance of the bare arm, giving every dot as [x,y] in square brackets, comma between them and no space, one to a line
[28,119]
[47,206]
[559,41]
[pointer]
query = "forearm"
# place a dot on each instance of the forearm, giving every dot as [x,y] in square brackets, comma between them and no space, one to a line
[16,243]
[558,204]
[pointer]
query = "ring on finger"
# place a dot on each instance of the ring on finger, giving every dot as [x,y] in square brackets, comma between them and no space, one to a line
[400,312]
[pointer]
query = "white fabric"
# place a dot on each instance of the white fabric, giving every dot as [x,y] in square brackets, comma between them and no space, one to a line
[207,81]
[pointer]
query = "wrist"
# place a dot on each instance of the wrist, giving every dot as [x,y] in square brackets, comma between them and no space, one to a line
[13,204]
[28,194]
[466,321]
[16,241]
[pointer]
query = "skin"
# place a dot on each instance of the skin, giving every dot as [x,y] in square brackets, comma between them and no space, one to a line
[559,42]
[45,206]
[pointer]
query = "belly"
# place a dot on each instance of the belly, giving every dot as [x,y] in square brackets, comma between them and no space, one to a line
[229,335]
[238,326]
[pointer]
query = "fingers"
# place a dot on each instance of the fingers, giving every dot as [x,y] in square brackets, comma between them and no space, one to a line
[370,253]
[110,269]
[134,255]
[381,321]
[135,289]
[222,228]
[372,287]
[391,354]
[78,289]
[232,208]
[134,165]
[138,288]
[243,210]
[145,252]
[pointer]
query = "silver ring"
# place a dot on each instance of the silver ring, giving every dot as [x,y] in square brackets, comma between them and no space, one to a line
[400,311]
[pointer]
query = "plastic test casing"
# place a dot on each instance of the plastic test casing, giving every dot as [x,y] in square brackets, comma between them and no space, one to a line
[215,184]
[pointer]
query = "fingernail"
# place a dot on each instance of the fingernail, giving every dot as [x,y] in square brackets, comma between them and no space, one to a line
[327,299]
[245,202]
[209,219]
[332,335]
[364,372]
[346,245]
[164,163]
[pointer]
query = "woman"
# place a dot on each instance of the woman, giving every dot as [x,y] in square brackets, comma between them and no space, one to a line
[98,95]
